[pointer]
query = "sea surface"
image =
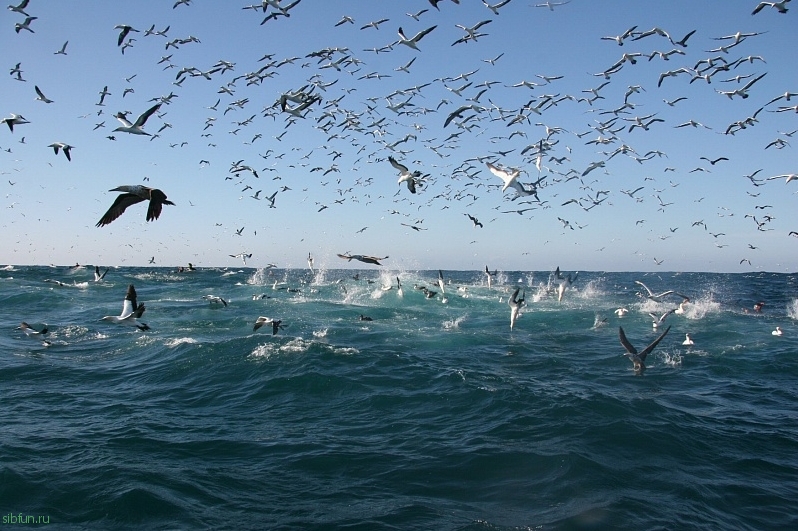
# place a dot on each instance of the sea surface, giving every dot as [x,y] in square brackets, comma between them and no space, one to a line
[433,415]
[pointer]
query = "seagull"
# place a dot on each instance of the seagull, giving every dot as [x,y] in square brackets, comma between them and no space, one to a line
[276,325]
[40,95]
[135,194]
[639,358]
[515,306]
[412,43]
[361,258]
[97,276]
[66,148]
[31,332]
[405,176]
[135,128]
[131,311]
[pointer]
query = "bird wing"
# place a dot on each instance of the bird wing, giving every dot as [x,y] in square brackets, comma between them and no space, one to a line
[649,348]
[118,208]
[142,119]
[397,165]
[628,346]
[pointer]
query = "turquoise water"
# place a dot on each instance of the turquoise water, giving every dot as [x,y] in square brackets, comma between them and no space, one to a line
[431,416]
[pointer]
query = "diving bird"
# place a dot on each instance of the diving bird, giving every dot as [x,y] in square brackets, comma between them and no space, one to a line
[131,311]
[310,263]
[132,195]
[510,179]
[276,325]
[490,276]
[135,128]
[405,176]
[475,221]
[98,277]
[361,258]
[639,358]
[515,306]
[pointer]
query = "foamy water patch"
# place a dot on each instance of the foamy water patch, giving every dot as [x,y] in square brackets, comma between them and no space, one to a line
[175,342]
[454,324]
[792,309]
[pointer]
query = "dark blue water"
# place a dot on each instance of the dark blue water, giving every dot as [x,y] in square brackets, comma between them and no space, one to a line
[431,416]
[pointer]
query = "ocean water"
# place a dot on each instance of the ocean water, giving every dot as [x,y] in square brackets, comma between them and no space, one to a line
[433,415]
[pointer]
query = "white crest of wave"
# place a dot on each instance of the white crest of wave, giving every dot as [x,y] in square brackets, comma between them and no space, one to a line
[454,323]
[181,341]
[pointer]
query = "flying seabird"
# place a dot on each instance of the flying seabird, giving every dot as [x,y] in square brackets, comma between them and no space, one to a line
[66,148]
[242,256]
[135,194]
[215,299]
[31,332]
[658,320]
[780,6]
[405,176]
[412,43]
[361,258]
[124,29]
[639,358]
[131,311]
[20,8]
[515,306]
[276,325]
[565,283]
[40,95]
[658,297]
[135,128]
[14,119]
[510,179]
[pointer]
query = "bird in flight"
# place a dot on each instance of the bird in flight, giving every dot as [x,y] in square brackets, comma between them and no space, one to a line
[132,195]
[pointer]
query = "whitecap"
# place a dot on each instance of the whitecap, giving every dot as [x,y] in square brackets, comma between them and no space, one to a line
[320,333]
[454,323]
[181,341]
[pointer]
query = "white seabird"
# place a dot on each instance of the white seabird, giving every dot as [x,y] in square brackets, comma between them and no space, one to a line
[639,358]
[135,128]
[405,176]
[413,43]
[32,333]
[620,312]
[778,331]
[658,320]
[215,300]
[131,311]
[658,297]
[515,307]
[687,340]
[276,325]
[97,276]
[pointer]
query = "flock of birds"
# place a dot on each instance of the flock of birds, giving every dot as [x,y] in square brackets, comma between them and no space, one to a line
[388,128]
[558,284]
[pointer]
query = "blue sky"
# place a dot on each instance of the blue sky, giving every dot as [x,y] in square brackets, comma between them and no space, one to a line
[706,224]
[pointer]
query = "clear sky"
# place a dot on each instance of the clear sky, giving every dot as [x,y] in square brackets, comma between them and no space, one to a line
[341,194]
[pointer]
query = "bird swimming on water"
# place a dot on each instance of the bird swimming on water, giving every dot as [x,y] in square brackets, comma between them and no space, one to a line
[135,194]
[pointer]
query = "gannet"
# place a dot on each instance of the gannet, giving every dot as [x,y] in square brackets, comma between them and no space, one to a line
[20,8]
[658,320]
[124,29]
[639,358]
[405,176]
[442,288]
[135,194]
[310,263]
[33,333]
[276,325]
[361,258]
[214,299]
[66,148]
[40,95]
[490,276]
[242,256]
[412,43]
[565,283]
[25,25]
[14,119]
[780,6]
[620,312]
[97,276]
[510,179]
[515,306]
[131,311]
[135,128]
[777,332]
[687,340]
[658,297]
